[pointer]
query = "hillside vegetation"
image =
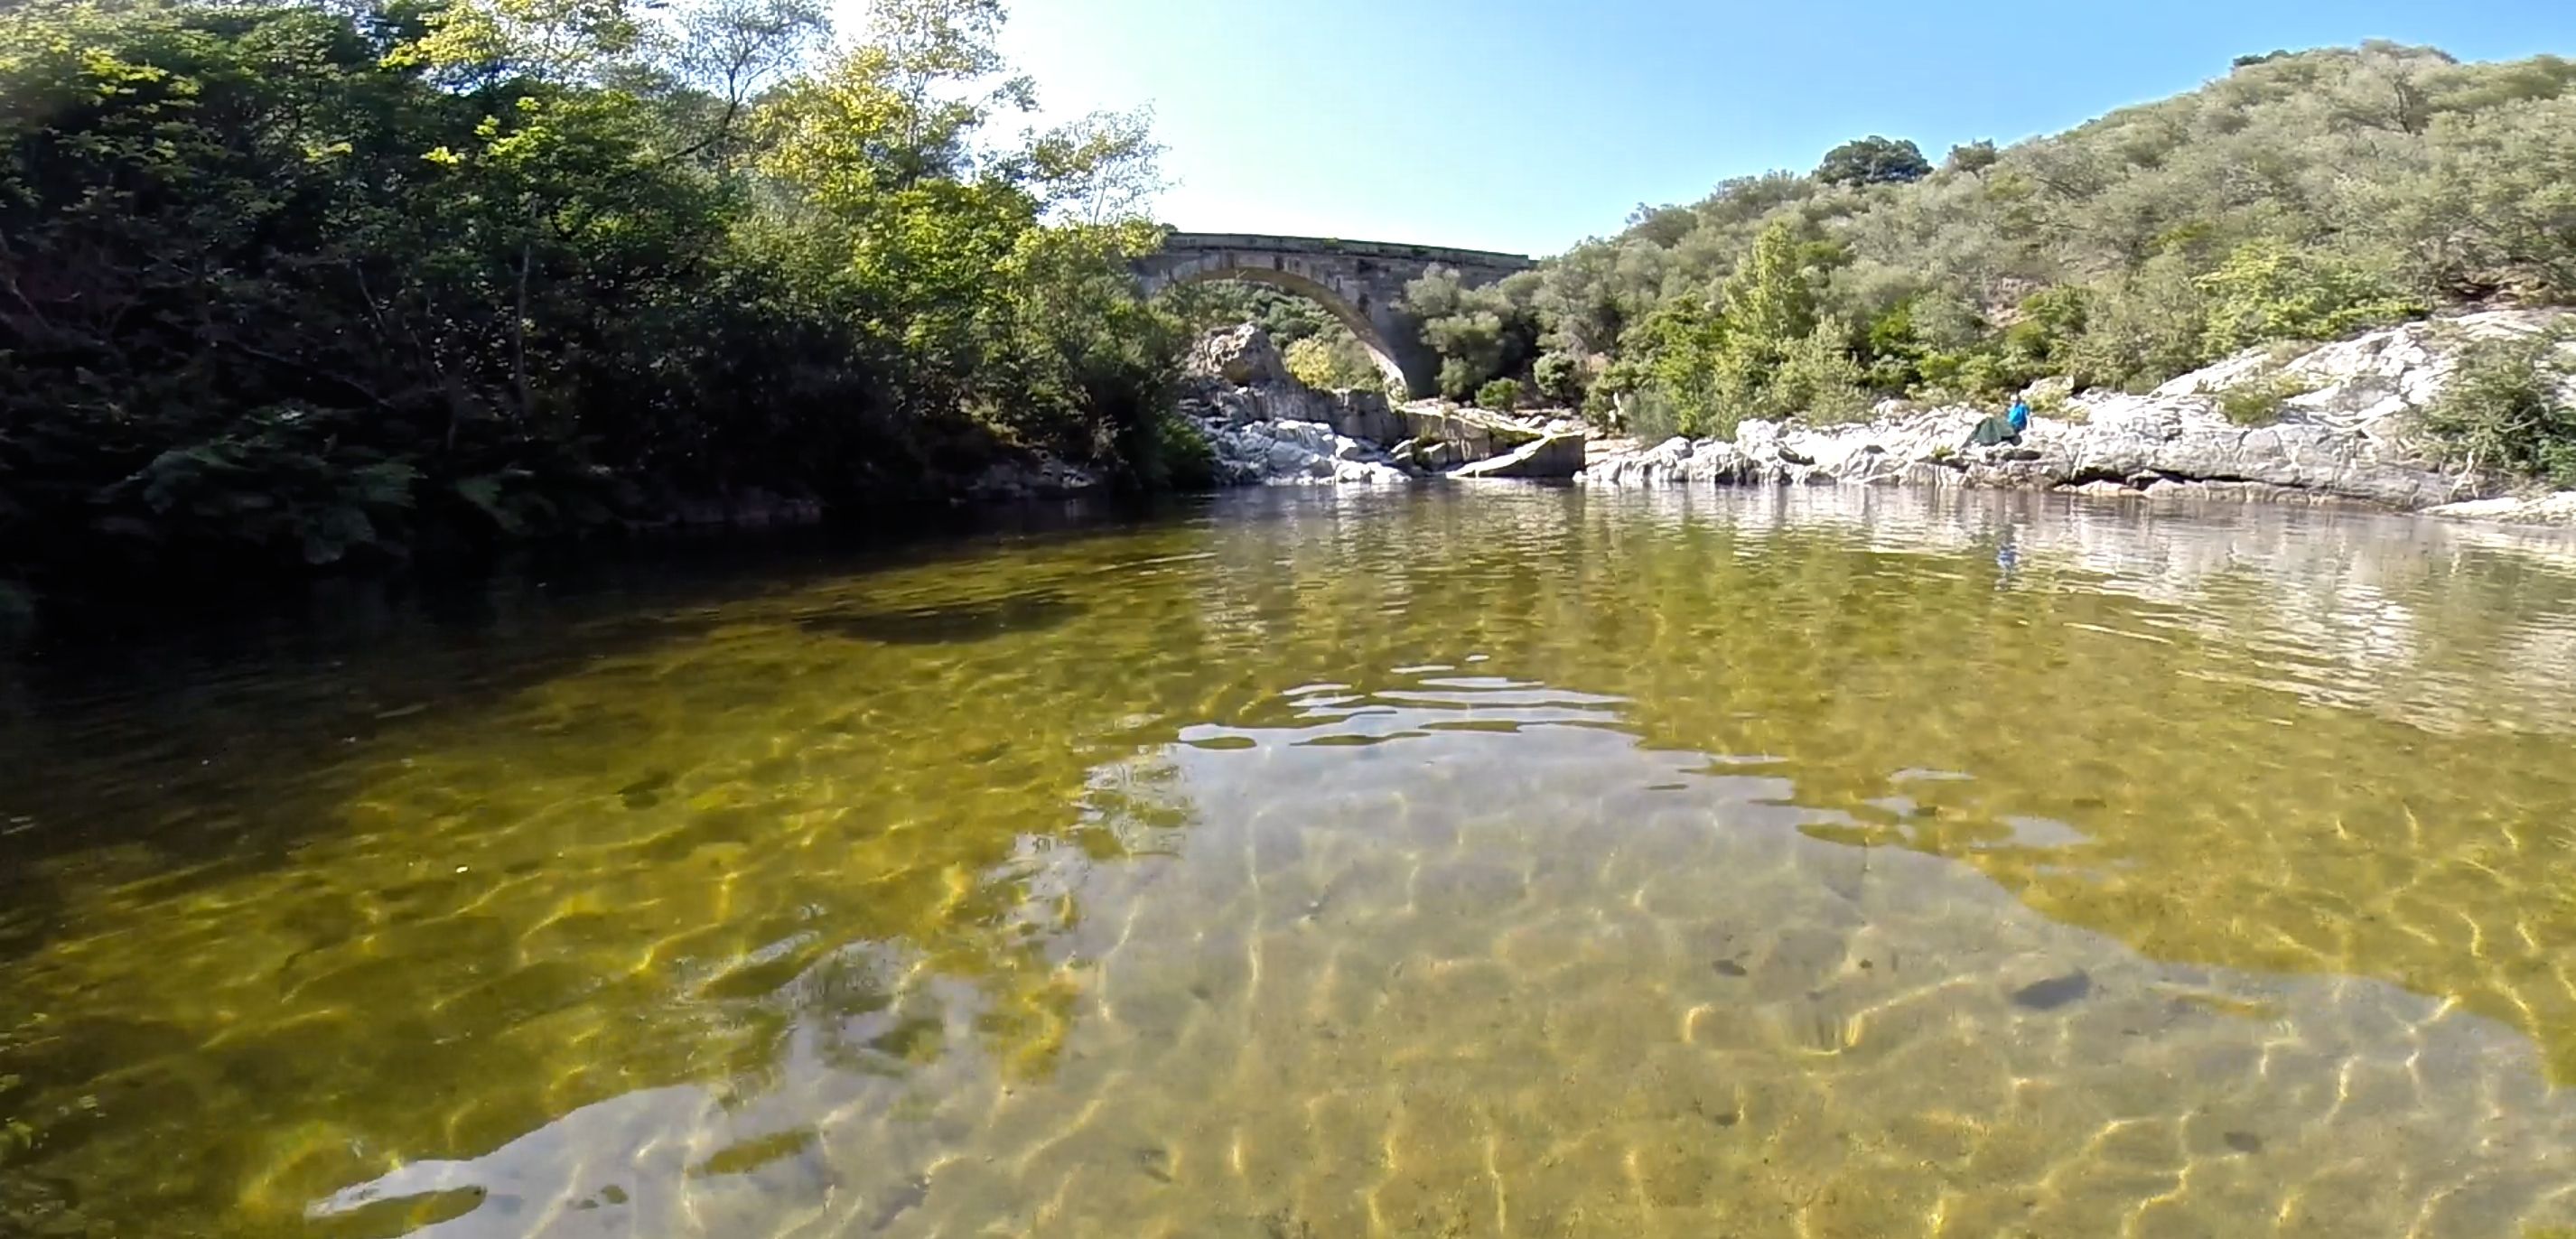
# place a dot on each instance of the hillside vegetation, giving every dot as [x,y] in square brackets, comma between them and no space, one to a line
[286,285]
[2302,196]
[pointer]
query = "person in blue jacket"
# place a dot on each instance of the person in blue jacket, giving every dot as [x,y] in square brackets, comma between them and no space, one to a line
[2000,430]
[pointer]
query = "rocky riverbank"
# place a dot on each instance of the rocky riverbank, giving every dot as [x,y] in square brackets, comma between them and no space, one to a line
[1264,427]
[2336,422]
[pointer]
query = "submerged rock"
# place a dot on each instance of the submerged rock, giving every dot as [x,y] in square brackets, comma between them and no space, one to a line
[2054,992]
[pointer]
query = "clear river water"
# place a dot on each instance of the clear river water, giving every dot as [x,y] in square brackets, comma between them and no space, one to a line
[1509,862]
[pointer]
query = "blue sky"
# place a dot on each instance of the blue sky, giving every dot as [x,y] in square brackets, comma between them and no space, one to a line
[1527,125]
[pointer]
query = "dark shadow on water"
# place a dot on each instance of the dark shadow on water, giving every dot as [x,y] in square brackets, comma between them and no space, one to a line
[219,739]
[951,623]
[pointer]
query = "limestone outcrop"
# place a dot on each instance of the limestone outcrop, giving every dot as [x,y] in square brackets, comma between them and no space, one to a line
[2343,424]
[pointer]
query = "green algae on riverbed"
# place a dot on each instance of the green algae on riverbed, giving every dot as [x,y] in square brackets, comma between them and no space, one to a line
[1517,862]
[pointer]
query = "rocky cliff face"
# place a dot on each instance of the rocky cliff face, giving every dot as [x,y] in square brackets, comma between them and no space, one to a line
[2346,427]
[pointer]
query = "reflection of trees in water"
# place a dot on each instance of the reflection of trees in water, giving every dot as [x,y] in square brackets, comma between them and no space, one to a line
[2293,753]
[702,862]
[2289,740]
[759,861]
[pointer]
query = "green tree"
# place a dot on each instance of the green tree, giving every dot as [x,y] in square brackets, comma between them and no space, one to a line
[1558,377]
[2394,177]
[1671,361]
[2267,290]
[1333,362]
[1972,157]
[1479,333]
[285,286]
[1873,160]
[1769,310]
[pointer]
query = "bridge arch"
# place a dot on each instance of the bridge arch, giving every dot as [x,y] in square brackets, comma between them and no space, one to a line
[1360,283]
[1349,310]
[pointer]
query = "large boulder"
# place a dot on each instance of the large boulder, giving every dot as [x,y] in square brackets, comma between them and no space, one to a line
[1241,355]
[1363,414]
[1476,433]
[1552,456]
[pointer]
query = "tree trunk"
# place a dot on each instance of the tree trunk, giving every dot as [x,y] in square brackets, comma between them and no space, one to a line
[519,326]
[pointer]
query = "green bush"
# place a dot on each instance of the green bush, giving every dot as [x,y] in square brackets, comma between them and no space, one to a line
[2506,410]
[1558,377]
[1177,456]
[1600,407]
[1333,363]
[1501,395]
[1818,380]
[2258,401]
[2267,290]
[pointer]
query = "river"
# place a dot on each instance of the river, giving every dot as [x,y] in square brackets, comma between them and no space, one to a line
[1526,862]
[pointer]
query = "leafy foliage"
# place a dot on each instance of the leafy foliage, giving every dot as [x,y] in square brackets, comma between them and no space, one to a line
[2266,290]
[2509,408]
[1558,377]
[1501,395]
[1331,363]
[1971,157]
[2301,196]
[285,285]
[1873,161]
[2258,401]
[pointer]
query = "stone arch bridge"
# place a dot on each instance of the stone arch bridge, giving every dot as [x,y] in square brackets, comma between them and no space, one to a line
[1359,282]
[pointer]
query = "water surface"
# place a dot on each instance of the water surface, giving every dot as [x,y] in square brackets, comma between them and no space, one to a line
[1514,862]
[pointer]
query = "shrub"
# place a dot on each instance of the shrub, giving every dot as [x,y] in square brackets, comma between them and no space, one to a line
[2267,290]
[1175,456]
[1600,408]
[2505,410]
[1558,377]
[1332,363]
[2257,401]
[1502,395]
[1818,379]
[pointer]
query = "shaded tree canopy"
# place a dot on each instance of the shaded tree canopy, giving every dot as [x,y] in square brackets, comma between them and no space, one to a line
[287,285]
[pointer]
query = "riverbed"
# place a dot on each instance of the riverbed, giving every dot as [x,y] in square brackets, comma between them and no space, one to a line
[1439,862]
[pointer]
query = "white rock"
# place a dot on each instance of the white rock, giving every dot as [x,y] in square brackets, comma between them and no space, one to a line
[2353,435]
